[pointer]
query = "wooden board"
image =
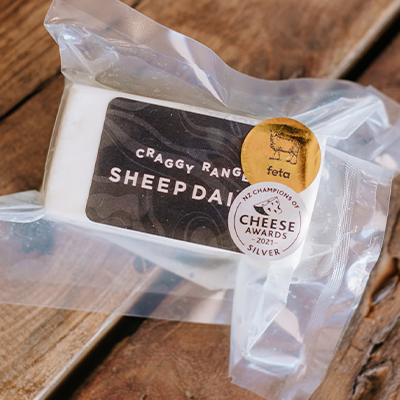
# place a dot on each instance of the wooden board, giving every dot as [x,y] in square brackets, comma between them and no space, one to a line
[29,56]
[280,40]
[39,347]
[166,360]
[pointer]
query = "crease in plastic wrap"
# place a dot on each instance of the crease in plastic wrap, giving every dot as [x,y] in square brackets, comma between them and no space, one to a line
[287,316]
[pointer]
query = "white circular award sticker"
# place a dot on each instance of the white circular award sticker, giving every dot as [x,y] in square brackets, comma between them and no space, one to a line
[265,221]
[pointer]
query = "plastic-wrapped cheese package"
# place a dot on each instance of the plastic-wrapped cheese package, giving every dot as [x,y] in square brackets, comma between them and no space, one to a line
[286,354]
[178,188]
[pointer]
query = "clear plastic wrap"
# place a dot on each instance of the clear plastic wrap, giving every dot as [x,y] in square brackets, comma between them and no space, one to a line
[285,355]
[287,316]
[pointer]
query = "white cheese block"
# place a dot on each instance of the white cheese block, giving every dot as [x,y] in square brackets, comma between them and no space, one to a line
[71,167]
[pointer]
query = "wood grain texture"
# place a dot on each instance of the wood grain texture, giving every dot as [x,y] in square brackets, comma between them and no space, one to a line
[38,346]
[279,40]
[167,360]
[29,56]
[384,73]
[25,137]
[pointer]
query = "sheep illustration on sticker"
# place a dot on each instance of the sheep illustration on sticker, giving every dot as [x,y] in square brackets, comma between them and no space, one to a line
[281,150]
[280,144]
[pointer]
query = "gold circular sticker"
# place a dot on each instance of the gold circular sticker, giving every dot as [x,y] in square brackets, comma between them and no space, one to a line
[281,150]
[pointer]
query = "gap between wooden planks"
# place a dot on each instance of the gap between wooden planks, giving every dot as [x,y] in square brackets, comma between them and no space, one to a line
[319,38]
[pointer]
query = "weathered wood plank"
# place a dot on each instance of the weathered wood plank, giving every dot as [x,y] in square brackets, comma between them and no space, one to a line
[39,346]
[365,365]
[167,360]
[280,40]
[29,56]
[25,137]
[384,73]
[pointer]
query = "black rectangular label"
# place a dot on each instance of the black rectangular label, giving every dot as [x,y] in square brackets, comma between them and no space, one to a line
[167,172]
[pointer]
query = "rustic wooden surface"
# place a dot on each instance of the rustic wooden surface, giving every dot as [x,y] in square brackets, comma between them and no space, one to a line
[280,39]
[165,360]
